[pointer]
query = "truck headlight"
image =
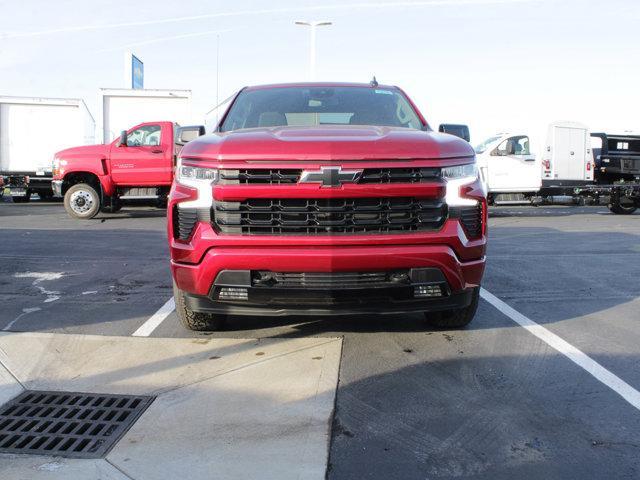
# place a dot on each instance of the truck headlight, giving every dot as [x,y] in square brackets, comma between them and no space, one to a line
[468,170]
[200,178]
[195,176]
[57,167]
[457,176]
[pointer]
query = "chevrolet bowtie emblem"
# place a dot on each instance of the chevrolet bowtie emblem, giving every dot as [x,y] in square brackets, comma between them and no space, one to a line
[330,176]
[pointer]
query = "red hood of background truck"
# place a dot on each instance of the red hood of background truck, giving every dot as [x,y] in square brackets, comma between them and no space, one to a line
[84,151]
[327,143]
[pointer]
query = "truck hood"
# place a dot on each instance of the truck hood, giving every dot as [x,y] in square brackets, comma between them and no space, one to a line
[327,143]
[84,151]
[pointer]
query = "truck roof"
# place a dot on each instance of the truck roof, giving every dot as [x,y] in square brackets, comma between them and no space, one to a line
[634,135]
[319,84]
[51,101]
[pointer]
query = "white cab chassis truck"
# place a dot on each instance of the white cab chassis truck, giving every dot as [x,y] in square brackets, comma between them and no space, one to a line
[524,165]
[563,165]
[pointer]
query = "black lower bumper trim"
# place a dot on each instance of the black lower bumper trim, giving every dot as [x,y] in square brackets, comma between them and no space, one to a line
[293,307]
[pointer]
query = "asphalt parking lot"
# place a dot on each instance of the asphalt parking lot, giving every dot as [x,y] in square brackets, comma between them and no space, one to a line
[490,402]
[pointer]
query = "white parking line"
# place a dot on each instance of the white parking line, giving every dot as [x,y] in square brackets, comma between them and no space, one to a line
[612,381]
[156,319]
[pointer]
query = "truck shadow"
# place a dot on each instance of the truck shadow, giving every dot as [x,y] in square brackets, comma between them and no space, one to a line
[137,212]
[52,207]
[551,211]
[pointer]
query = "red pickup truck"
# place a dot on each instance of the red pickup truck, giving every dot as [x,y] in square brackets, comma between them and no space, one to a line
[138,165]
[326,199]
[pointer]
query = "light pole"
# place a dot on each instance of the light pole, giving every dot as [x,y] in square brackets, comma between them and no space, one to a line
[312,44]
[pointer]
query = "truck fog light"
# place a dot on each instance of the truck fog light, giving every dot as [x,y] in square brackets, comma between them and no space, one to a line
[427,291]
[233,293]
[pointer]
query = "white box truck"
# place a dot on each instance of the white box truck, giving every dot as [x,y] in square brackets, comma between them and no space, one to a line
[524,164]
[32,130]
[123,107]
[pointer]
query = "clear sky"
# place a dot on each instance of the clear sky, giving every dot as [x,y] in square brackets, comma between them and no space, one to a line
[495,65]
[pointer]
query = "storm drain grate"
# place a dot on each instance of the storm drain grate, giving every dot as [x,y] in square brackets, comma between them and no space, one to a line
[67,424]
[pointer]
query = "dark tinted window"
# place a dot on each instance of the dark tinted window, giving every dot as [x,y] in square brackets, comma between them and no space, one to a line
[313,106]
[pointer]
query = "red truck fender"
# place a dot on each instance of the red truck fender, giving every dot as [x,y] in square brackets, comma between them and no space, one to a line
[85,164]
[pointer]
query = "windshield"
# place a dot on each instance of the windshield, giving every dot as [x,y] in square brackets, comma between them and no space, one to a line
[483,146]
[314,106]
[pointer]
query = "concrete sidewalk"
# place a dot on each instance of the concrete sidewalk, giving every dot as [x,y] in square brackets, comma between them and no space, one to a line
[225,408]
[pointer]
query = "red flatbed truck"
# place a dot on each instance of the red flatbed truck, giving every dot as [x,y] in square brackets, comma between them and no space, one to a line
[139,165]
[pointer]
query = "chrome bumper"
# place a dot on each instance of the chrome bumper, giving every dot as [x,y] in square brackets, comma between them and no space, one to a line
[56,186]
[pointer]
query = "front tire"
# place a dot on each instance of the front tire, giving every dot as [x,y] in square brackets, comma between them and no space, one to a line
[455,318]
[198,321]
[82,201]
[625,206]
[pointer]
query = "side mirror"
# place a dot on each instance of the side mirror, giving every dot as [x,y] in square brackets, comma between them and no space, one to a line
[458,130]
[123,139]
[185,134]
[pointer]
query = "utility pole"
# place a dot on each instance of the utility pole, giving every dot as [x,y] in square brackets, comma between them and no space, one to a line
[217,75]
[312,43]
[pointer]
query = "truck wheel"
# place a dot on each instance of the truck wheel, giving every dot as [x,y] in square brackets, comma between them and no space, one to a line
[625,206]
[455,318]
[198,321]
[82,201]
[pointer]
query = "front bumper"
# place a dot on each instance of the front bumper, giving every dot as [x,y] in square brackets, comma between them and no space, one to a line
[56,186]
[361,303]
[198,281]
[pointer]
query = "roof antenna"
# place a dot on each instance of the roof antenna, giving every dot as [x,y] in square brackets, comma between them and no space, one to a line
[373,82]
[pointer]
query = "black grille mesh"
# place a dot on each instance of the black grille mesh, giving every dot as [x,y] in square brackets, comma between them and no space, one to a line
[399,175]
[471,219]
[292,176]
[260,176]
[184,220]
[329,216]
[325,280]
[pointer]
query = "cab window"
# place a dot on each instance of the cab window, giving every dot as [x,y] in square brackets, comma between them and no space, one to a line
[513,146]
[483,146]
[146,136]
[292,106]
